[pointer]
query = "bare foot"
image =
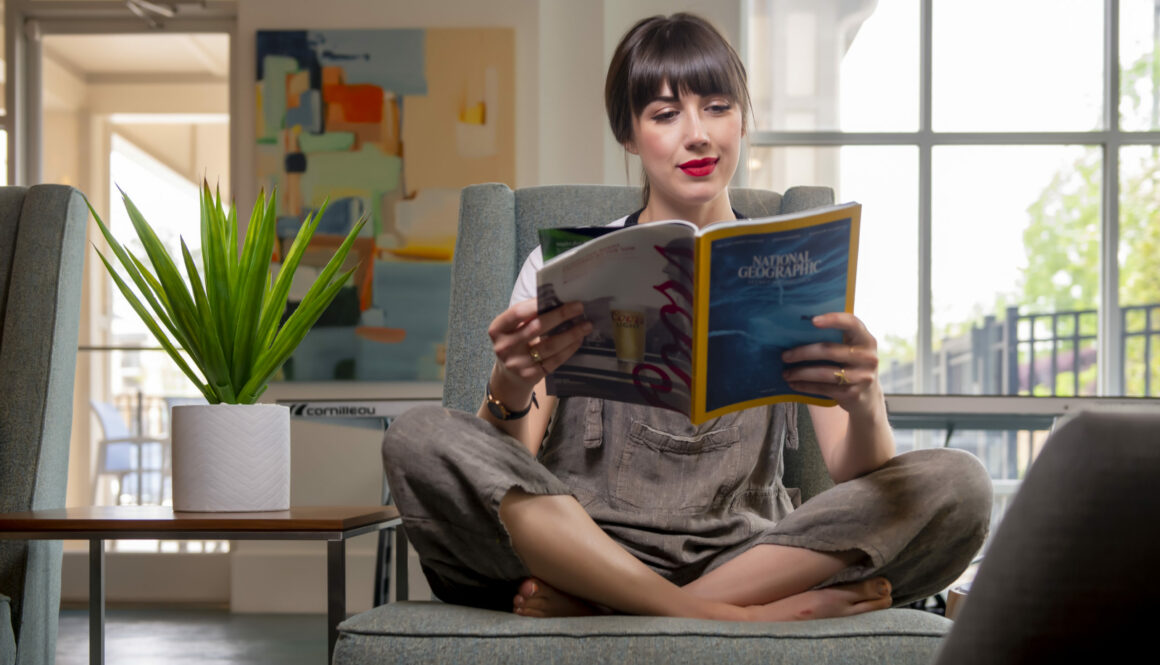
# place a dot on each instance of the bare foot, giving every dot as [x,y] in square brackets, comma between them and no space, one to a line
[536,599]
[836,601]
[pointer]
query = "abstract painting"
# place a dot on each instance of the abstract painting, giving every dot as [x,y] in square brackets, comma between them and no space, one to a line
[387,124]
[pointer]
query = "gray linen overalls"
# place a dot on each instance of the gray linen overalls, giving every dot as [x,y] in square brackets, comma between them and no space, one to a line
[683,499]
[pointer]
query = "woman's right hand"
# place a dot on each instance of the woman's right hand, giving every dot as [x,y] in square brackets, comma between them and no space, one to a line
[525,353]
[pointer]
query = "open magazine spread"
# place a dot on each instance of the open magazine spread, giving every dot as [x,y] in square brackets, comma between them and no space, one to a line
[695,320]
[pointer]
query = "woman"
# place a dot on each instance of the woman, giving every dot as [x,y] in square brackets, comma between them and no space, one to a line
[507,514]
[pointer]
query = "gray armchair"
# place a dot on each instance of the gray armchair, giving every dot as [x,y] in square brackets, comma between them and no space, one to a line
[497,229]
[42,238]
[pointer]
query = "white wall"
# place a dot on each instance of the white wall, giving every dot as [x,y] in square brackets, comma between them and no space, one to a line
[571,88]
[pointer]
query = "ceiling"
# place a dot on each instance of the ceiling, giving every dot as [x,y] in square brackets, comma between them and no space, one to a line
[135,56]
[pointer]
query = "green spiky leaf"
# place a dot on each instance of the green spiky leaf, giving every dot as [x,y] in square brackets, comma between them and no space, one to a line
[228,316]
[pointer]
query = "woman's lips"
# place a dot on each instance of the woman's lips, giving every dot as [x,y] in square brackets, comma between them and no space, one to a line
[699,168]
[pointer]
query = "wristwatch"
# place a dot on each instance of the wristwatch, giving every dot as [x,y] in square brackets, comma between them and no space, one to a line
[501,412]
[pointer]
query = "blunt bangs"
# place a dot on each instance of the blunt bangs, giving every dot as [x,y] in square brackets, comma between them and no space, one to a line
[687,65]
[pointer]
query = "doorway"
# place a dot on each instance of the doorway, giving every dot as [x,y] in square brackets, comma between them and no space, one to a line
[147,112]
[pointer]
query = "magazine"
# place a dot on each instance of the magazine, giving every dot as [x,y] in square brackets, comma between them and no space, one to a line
[695,320]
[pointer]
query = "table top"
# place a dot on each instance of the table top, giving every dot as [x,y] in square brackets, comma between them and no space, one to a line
[99,520]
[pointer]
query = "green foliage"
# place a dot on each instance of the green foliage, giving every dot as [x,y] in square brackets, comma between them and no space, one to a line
[1063,240]
[1140,201]
[1140,230]
[227,318]
[898,347]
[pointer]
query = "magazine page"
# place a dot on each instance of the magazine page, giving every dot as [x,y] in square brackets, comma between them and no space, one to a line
[636,286]
[760,285]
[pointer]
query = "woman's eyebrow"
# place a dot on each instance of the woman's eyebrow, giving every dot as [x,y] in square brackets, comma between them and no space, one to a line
[667,99]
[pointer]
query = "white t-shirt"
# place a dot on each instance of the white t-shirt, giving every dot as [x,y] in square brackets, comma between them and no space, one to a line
[525,287]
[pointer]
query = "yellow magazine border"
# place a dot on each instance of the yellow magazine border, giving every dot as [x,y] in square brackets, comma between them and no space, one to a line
[697,412]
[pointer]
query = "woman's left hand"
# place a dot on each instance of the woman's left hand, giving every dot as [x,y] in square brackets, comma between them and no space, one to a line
[850,372]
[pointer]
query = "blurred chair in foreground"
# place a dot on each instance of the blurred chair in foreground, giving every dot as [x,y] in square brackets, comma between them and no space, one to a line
[42,241]
[1069,573]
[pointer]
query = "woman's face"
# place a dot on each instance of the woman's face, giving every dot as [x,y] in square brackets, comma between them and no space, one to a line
[688,146]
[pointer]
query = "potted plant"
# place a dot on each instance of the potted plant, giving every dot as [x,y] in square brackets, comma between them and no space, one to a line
[230,454]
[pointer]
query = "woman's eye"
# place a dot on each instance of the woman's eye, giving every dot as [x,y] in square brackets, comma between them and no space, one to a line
[720,108]
[664,116]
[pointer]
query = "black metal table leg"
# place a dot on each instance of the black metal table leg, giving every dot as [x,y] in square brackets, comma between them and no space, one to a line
[96,601]
[335,592]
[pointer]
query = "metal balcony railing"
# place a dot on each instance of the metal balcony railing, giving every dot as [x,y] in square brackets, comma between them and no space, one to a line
[1053,354]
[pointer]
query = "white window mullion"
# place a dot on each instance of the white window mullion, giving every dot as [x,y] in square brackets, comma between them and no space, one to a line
[924,355]
[1109,343]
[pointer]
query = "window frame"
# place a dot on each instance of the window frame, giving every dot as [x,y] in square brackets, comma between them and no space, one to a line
[1108,140]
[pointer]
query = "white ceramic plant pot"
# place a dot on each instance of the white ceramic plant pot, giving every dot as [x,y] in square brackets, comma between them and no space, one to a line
[231,457]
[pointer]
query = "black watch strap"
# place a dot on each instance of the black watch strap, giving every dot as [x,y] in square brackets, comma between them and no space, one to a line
[501,412]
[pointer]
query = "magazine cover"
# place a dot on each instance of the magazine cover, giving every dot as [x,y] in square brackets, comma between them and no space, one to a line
[762,292]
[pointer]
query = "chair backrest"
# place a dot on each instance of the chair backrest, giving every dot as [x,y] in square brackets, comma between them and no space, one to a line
[112,422]
[42,239]
[498,229]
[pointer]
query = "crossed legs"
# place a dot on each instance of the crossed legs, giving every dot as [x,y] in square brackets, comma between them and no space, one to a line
[896,535]
[572,561]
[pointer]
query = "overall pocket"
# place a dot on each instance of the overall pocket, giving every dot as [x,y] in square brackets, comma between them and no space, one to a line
[666,473]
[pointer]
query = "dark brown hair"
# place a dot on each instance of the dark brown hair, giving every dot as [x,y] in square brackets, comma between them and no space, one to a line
[683,50]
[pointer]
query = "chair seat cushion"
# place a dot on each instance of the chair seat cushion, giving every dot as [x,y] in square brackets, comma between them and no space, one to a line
[425,632]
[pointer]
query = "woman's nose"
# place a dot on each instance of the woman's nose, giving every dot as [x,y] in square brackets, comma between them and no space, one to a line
[695,133]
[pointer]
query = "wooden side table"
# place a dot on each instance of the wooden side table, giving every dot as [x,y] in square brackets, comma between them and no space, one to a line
[97,524]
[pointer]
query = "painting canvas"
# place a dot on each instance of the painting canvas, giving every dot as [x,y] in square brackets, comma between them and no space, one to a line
[389,124]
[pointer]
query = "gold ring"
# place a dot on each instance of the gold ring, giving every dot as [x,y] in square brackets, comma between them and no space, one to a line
[840,375]
[535,354]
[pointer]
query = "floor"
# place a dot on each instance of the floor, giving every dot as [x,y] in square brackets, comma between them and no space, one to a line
[204,637]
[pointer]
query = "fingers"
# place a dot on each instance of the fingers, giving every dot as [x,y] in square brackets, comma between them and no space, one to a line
[858,348]
[522,344]
[832,381]
[512,318]
[841,354]
[841,371]
[521,318]
[555,350]
[854,332]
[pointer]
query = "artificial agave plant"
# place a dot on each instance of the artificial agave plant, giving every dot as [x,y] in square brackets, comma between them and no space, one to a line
[228,318]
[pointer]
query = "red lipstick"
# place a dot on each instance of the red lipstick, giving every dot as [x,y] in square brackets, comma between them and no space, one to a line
[699,168]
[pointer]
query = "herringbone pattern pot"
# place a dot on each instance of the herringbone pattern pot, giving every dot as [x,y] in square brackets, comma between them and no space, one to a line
[231,457]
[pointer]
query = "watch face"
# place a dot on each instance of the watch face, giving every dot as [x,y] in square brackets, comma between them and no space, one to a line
[497,409]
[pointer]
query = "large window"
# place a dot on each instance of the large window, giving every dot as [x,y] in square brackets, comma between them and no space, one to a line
[1008,159]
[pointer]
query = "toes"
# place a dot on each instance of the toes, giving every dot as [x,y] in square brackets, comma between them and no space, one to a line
[871,589]
[529,587]
[872,605]
[876,596]
[526,592]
